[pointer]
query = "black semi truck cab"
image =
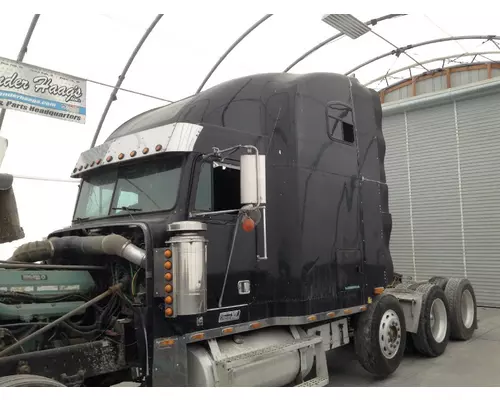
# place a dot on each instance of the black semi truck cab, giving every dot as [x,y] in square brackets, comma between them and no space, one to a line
[242,233]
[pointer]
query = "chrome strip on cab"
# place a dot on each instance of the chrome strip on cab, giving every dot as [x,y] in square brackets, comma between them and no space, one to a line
[179,137]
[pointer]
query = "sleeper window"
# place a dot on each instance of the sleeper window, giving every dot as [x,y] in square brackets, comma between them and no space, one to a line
[340,123]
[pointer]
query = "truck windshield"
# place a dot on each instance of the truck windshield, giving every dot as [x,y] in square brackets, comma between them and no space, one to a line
[143,187]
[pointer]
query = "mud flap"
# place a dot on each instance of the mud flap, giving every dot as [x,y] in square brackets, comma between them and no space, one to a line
[10,228]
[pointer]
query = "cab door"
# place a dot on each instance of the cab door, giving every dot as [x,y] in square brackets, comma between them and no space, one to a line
[215,200]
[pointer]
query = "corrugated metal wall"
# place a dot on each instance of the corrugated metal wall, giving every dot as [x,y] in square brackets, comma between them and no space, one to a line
[437,83]
[443,168]
[396,166]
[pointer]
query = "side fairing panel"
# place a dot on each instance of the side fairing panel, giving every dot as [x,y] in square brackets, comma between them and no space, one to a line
[377,222]
[368,124]
[328,191]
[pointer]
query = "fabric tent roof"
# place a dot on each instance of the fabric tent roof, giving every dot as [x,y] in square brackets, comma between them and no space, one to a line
[172,63]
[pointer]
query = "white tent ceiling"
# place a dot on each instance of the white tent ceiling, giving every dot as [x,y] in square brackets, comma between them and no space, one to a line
[172,63]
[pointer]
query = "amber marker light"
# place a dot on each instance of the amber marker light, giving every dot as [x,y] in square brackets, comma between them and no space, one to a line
[168,265]
[133,153]
[168,253]
[227,331]
[168,288]
[168,276]
[167,342]
[255,325]
[169,312]
[120,156]
[198,336]
[145,150]
[378,290]
[169,300]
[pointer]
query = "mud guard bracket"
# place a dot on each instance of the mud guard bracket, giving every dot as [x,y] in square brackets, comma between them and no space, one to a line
[411,303]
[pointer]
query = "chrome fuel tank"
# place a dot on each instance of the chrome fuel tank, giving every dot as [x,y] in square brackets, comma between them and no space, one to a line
[279,370]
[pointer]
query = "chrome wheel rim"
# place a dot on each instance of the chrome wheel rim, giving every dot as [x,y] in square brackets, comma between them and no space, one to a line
[438,320]
[389,334]
[467,308]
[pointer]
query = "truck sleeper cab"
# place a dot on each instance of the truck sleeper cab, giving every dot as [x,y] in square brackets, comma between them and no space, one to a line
[259,212]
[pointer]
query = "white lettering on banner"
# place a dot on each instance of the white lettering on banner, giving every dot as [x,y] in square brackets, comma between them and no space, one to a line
[39,91]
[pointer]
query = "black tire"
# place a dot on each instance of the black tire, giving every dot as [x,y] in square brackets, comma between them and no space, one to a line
[441,281]
[368,332]
[424,341]
[456,293]
[28,381]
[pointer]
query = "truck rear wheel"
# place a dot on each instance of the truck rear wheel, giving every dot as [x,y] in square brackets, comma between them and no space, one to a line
[380,336]
[463,309]
[28,381]
[433,331]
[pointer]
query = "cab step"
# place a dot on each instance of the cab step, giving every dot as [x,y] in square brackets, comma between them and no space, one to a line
[226,366]
[314,382]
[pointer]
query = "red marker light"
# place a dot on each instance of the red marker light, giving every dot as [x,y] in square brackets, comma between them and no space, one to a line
[248,224]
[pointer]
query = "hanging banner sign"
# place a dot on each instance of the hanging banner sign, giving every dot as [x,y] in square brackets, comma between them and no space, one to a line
[39,91]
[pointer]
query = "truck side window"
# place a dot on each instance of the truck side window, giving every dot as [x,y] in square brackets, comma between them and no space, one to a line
[340,123]
[203,200]
[218,188]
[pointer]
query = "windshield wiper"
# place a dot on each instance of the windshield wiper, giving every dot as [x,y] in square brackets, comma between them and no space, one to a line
[124,208]
[81,219]
[128,209]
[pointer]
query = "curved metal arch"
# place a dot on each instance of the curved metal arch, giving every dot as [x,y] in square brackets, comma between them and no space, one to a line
[121,78]
[22,53]
[455,56]
[400,50]
[243,36]
[337,36]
